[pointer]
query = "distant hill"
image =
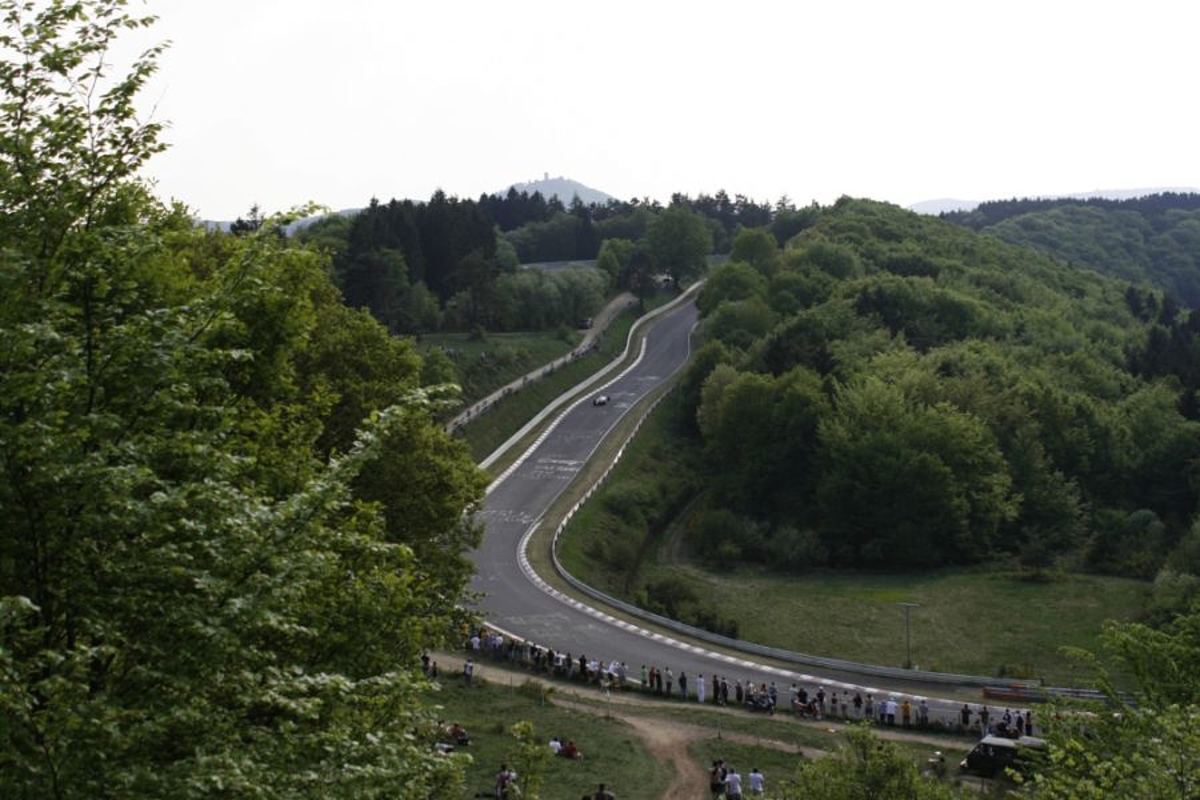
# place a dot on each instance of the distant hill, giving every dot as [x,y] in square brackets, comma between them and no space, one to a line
[942,205]
[1130,194]
[564,189]
[1152,239]
[948,205]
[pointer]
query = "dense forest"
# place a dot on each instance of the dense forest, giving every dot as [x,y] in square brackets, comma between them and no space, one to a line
[452,264]
[1151,241]
[895,392]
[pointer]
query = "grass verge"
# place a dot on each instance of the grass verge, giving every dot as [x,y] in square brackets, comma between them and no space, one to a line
[612,752]
[611,537]
[980,622]
[485,365]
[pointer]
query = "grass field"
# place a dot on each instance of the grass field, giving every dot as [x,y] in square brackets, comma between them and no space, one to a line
[487,364]
[612,753]
[775,765]
[977,622]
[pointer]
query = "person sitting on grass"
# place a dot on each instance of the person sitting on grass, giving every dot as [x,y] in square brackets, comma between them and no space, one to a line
[602,794]
[569,750]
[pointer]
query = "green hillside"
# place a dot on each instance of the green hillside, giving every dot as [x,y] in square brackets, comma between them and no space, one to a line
[894,392]
[1151,240]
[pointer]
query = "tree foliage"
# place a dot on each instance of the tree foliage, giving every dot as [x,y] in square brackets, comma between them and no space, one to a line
[763,431]
[732,281]
[906,484]
[680,242]
[201,589]
[980,399]
[727,216]
[1147,749]
[1152,240]
[758,248]
[864,767]
[532,299]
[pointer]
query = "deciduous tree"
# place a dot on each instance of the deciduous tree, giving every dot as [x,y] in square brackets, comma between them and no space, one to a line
[1147,749]
[680,242]
[193,599]
[864,767]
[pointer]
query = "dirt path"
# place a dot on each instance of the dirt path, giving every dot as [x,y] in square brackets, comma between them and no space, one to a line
[668,742]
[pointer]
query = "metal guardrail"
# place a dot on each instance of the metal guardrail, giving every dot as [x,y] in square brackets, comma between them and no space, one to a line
[1027,695]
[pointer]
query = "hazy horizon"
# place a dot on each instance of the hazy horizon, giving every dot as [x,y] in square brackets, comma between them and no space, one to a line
[278,103]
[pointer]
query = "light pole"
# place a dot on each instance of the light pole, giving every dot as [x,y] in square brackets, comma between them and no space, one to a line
[908,607]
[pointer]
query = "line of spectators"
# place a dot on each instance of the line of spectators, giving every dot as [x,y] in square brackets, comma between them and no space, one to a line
[546,660]
[825,702]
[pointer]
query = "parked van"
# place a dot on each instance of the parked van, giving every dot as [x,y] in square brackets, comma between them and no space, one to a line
[994,754]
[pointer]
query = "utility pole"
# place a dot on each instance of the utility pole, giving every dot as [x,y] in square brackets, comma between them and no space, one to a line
[908,607]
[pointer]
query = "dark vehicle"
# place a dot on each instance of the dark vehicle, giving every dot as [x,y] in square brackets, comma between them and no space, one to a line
[600,400]
[995,754]
[757,702]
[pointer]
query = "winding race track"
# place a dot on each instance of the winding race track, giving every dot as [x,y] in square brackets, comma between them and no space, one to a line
[515,602]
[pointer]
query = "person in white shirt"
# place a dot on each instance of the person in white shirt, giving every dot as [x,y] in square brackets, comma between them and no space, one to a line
[555,745]
[758,784]
[733,784]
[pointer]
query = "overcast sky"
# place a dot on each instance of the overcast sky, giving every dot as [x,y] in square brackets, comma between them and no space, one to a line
[279,102]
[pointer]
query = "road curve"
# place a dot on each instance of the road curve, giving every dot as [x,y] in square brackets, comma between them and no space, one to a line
[523,494]
[514,601]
